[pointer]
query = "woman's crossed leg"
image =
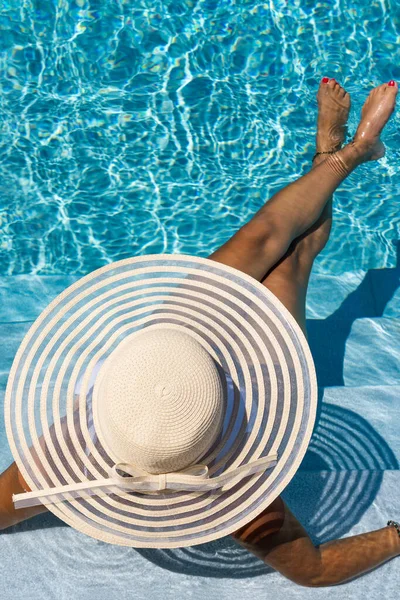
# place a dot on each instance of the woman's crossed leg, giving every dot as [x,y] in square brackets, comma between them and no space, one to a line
[297,224]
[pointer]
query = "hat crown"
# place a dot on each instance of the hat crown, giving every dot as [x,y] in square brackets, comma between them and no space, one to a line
[159,400]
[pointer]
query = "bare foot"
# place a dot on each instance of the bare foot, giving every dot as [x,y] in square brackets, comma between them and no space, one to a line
[374,115]
[333,111]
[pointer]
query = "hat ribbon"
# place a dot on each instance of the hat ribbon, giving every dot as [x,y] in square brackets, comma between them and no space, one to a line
[193,478]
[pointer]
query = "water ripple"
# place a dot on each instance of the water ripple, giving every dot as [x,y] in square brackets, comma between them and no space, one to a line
[135,127]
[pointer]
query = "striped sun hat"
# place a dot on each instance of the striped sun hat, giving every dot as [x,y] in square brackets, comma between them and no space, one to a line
[161,401]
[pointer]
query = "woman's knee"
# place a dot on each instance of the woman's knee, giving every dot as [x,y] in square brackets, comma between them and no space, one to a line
[252,251]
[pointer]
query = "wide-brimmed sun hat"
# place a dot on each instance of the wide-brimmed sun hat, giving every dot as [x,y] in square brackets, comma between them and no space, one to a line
[161,401]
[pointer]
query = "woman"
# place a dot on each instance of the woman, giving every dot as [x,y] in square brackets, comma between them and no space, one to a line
[278,247]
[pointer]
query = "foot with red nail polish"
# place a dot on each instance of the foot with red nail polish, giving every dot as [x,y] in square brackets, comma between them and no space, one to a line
[374,115]
[333,111]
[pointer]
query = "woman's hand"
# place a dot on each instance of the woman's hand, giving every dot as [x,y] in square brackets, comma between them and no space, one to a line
[12,482]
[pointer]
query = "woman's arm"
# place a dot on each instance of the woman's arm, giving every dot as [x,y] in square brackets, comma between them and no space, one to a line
[291,552]
[12,482]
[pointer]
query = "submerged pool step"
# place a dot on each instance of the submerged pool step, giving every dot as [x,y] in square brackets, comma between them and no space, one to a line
[352,295]
[362,352]
[353,321]
[367,353]
[357,429]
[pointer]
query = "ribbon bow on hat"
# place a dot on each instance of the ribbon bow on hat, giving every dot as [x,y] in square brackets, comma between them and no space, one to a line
[194,478]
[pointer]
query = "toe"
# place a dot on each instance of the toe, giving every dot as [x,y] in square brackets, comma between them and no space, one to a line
[338,89]
[392,87]
[322,85]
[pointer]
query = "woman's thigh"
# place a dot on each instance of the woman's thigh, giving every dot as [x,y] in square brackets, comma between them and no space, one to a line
[287,280]
[291,290]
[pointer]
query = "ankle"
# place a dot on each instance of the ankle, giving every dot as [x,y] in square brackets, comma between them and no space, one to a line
[347,159]
[318,160]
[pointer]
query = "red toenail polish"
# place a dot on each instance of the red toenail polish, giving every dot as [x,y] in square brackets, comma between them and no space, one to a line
[391,82]
[325,80]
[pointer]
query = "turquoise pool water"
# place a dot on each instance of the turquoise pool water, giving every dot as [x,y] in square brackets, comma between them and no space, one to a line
[134,127]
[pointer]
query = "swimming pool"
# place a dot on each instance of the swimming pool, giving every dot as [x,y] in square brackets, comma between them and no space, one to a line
[135,127]
[146,127]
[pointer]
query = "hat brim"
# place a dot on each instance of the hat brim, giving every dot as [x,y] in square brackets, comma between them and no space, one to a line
[269,376]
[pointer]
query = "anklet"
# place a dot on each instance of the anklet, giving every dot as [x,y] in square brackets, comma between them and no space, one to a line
[397,525]
[330,152]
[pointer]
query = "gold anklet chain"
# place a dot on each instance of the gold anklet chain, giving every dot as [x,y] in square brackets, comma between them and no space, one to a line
[330,151]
